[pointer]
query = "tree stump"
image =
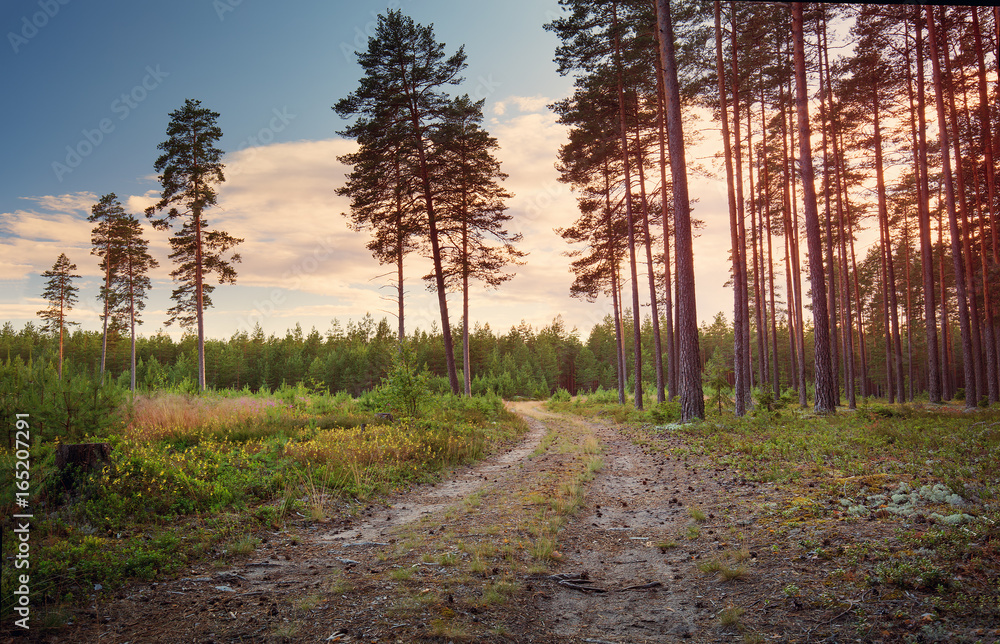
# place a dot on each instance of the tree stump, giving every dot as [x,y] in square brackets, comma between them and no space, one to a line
[75,459]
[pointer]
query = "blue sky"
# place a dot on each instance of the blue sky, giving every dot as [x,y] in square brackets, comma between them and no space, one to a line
[89,90]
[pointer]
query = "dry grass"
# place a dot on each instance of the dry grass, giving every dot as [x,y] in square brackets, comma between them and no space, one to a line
[166,415]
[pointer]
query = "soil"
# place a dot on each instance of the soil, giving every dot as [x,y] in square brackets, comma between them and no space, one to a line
[465,560]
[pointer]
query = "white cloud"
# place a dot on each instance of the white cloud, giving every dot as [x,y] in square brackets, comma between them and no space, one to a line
[67,203]
[301,263]
[524,104]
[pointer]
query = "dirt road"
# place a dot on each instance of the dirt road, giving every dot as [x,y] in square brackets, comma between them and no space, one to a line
[575,535]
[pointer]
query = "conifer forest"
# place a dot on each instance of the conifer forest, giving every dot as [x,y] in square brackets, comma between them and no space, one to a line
[851,384]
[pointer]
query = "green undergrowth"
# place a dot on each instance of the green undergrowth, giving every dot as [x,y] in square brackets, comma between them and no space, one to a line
[818,487]
[191,478]
[603,404]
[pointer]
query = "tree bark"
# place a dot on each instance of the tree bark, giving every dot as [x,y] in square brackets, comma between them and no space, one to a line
[668,314]
[650,269]
[792,228]
[633,271]
[971,395]
[919,133]
[744,279]
[826,398]
[425,180]
[740,367]
[692,395]
[831,277]
[760,308]
[987,131]
[975,324]
[891,303]
[615,301]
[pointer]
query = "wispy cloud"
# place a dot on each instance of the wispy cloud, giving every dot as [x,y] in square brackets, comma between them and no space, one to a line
[300,261]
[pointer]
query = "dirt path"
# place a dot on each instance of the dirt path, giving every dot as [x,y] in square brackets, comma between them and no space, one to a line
[575,535]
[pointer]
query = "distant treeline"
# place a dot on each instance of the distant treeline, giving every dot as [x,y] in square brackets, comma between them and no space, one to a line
[350,358]
[353,358]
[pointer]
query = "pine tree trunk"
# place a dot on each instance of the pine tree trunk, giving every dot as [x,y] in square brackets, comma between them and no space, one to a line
[131,316]
[884,284]
[892,303]
[199,283]
[947,348]
[987,130]
[862,348]
[845,294]
[742,388]
[831,270]
[918,132]
[466,362]
[760,309]
[766,212]
[400,243]
[619,339]
[746,364]
[668,313]
[615,301]
[792,230]
[826,398]
[971,287]
[692,395]
[650,269]
[425,180]
[62,318]
[629,221]
[971,395]
[107,303]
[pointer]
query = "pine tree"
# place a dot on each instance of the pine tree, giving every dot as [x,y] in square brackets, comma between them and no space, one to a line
[399,102]
[131,281]
[590,162]
[938,49]
[472,205]
[106,213]
[383,188]
[189,168]
[61,295]
[826,396]
[741,367]
[692,396]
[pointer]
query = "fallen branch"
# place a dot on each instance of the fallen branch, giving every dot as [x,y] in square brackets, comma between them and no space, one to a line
[582,588]
[652,584]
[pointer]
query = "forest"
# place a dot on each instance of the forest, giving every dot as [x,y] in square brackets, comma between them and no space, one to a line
[896,232]
[815,441]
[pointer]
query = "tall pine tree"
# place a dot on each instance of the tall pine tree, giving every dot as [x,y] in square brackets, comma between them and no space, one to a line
[190,167]
[472,205]
[400,102]
[61,295]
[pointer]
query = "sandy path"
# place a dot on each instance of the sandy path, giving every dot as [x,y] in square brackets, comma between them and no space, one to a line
[423,567]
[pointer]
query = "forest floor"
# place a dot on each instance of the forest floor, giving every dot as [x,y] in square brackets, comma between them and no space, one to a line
[583,532]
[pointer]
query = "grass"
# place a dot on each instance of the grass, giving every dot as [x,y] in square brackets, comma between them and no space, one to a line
[499,592]
[192,478]
[729,618]
[821,470]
